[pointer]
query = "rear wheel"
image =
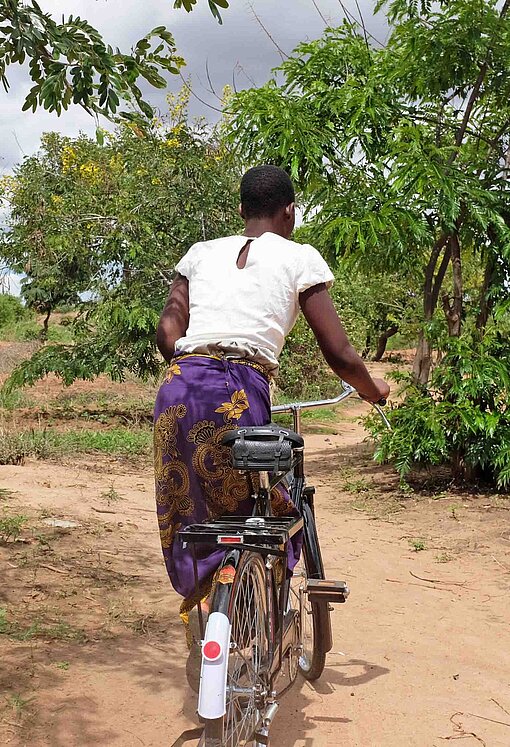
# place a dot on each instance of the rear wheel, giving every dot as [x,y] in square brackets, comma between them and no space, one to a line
[315,617]
[248,657]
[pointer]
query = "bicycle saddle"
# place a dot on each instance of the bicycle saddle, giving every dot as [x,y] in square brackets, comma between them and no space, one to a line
[270,432]
[262,448]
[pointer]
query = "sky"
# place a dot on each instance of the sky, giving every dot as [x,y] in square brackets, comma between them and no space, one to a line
[239,50]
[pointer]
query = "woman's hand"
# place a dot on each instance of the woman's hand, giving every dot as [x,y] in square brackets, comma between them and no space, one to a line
[382,387]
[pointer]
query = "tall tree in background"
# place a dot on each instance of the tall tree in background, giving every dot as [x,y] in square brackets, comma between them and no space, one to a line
[70,62]
[402,151]
[108,223]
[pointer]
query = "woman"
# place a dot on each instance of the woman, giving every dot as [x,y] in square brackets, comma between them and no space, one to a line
[223,327]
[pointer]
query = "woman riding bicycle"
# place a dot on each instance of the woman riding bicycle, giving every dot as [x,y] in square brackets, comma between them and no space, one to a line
[232,304]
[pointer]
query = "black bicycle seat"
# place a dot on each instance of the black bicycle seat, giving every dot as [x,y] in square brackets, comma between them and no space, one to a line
[270,432]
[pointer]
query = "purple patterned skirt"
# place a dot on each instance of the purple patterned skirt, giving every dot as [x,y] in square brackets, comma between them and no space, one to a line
[202,398]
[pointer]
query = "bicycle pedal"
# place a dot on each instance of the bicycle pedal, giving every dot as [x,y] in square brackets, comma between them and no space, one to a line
[321,590]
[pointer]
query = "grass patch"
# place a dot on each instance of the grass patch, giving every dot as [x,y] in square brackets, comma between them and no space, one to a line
[444,557]
[116,441]
[14,400]
[23,330]
[20,330]
[417,545]
[19,704]
[55,631]
[357,486]
[47,443]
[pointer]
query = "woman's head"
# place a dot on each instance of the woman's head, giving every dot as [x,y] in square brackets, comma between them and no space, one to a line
[267,195]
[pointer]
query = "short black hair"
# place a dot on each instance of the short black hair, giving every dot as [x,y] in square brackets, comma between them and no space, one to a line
[265,190]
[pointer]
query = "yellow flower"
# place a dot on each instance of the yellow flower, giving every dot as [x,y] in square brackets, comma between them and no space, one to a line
[172,142]
[116,163]
[7,185]
[69,158]
[234,409]
[90,172]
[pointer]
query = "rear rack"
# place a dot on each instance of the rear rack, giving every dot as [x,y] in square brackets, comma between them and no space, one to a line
[265,534]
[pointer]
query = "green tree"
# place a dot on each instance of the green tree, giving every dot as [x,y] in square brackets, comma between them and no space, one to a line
[107,223]
[401,152]
[70,62]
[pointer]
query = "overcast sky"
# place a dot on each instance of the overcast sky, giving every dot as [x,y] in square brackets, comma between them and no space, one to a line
[239,48]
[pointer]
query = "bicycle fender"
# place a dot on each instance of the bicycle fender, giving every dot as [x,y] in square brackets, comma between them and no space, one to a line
[213,674]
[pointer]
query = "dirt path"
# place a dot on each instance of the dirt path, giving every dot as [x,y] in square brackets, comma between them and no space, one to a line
[92,653]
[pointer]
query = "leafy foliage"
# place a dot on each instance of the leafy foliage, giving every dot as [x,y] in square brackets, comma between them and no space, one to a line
[399,150]
[463,420]
[69,62]
[213,6]
[401,153]
[10,530]
[105,225]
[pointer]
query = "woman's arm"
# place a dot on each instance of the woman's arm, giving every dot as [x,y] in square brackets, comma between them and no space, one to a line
[174,319]
[321,315]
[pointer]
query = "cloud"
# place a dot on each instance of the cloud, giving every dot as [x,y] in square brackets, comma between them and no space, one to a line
[238,51]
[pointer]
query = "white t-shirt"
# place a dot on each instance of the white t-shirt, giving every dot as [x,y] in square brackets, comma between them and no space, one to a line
[247,312]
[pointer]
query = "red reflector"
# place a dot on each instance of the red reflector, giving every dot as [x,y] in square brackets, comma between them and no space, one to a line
[235,540]
[211,650]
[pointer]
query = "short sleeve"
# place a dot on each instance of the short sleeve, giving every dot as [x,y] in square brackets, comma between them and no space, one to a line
[312,269]
[187,263]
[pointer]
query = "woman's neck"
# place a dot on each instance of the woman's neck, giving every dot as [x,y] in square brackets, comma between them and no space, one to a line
[255,227]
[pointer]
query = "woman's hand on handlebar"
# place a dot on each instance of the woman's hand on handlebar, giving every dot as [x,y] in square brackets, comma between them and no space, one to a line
[382,387]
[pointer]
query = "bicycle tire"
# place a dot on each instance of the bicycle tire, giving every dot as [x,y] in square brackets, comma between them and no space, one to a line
[248,614]
[312,662]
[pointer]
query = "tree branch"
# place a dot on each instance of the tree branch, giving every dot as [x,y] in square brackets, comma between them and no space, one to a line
[474,95]
[282,54]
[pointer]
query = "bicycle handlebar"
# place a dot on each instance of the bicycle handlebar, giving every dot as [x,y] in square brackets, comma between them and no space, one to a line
[347,391]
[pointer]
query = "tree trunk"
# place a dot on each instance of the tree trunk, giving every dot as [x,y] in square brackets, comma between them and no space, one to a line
[453,308]
[383,341]
[44,331]
[423,358]
[486,302]
[368,345]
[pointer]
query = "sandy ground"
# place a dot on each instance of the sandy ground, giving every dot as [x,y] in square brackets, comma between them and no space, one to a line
[422,648]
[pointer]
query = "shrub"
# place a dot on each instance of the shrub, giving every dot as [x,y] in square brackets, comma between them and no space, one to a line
[304,374]
[11,310]
[11,526]
[463,419]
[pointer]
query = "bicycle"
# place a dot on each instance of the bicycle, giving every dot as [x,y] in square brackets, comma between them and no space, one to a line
[263,623]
